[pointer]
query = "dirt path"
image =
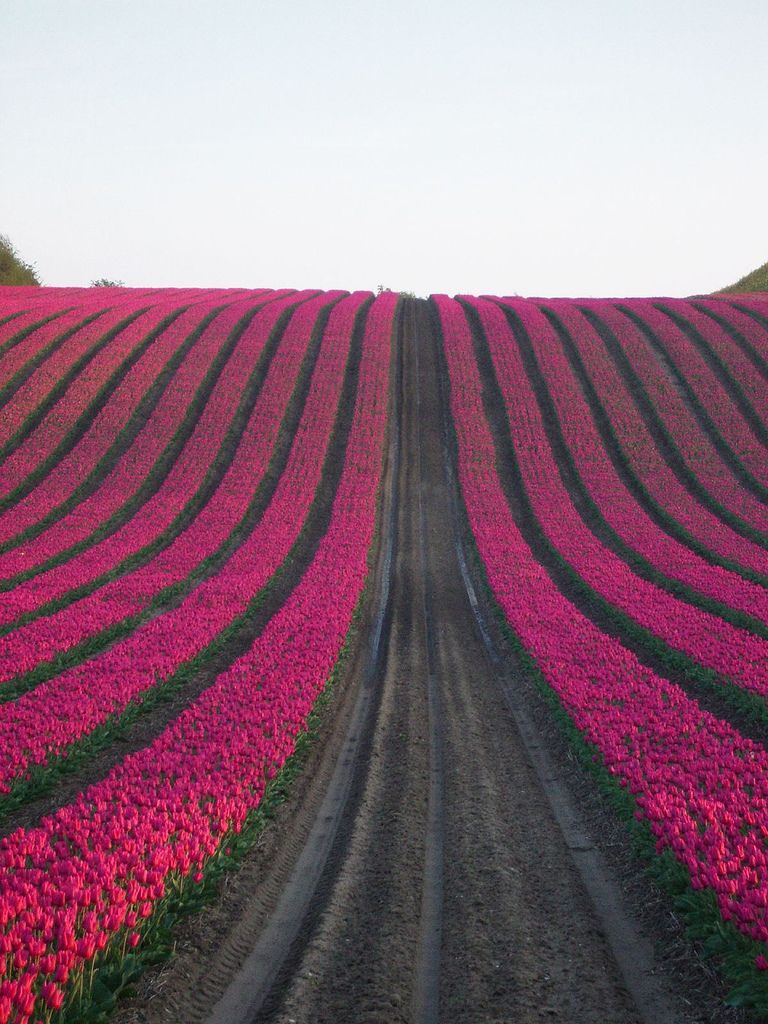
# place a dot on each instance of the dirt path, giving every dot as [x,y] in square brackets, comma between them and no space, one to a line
[429,866]
[455,897]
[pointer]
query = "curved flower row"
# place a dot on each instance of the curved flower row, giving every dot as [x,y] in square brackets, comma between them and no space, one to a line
[132,469]
[39,329]
[617,506]
[24,309]
[76,464]
[85,696]
[700,785]
[717,397]
[730,353]
[87,879]
[16,324]
[637,447]
[68,349]
[27,310]
[41,640]
[742,315]
[701,457]
[712,642]
[46,355]
[31,300]
[643,457]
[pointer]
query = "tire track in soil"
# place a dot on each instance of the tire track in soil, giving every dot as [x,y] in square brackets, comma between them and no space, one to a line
[426,999]
[631,948]
[291,899]
[522,941]
[372,952]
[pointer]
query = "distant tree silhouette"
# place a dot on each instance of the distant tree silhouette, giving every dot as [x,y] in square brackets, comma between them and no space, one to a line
[13,269]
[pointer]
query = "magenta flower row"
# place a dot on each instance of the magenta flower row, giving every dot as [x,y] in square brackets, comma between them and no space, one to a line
[726,649]
[61,359]
[698,451]
[87,694]
[183,480]
[690,363]
[110,419]
[617,505]
[641,450]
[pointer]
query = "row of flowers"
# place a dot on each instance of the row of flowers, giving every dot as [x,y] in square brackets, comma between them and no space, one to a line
[22,307]
[750,343]
[47,315]
[87,882]
[702,459]
[692,348]
[616,505]
[700,786]
[641,453]
[125,597]
[38,333]
[727,351]
[155,336]
[32,326]
[716,644]
[87,694]
[141,525]
[48,354]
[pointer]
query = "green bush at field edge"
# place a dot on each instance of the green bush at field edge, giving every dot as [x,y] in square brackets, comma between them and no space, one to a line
[13,269]
[757,281]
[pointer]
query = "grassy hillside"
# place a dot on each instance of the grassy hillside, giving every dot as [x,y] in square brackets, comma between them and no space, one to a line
[13,269]
[757,281]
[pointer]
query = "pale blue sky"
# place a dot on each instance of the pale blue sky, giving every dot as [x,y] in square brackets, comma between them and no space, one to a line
[552,148]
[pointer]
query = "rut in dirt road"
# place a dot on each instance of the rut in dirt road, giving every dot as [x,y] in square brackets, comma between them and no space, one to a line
[449,893]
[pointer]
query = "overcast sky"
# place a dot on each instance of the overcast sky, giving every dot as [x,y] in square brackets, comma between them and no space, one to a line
[550,147]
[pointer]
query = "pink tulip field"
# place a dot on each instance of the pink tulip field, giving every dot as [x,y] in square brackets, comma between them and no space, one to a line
[630,598]
[190,483]
[126,567]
